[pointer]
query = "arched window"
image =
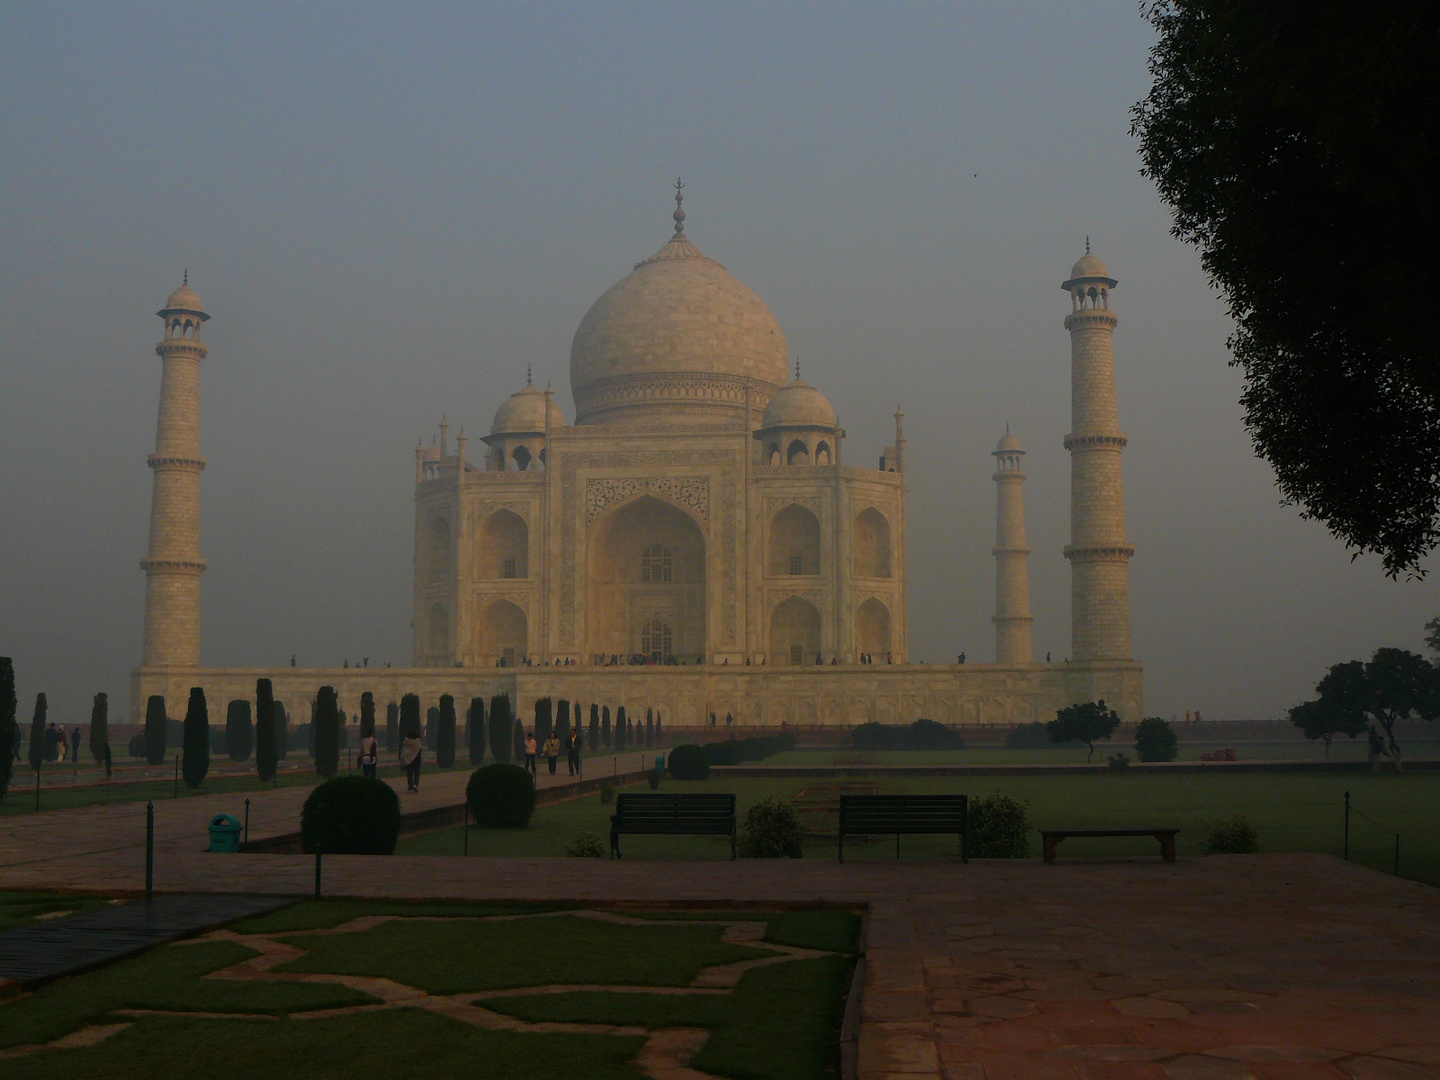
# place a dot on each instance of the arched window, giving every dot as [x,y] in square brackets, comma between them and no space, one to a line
[797,454]
[657,563]
[656,641]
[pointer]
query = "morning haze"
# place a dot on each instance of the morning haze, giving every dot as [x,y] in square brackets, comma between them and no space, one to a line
[391,215]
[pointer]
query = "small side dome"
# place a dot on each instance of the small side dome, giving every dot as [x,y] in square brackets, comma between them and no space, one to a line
[1089,266]
[523,412]
[184,299]
[799,405]
[1008,444]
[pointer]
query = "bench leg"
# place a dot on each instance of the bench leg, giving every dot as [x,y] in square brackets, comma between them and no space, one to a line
[615,843]
[1050,842]
[1167,848]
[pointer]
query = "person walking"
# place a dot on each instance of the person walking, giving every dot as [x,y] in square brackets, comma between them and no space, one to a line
[573,751]
[530,747]
[369,755]
[410,758]
[552,751]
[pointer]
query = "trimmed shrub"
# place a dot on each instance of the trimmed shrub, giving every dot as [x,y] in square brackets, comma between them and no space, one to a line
[621,724]
[432,726]
[136,746]
[475,730]
[997,827]
[649,728]
[8,728]
[1029,737]
[784,741]
[544,715]
[409,718]
[351,815]
[605,734]
[921,735]
[445,733]
[587,845]
[501,797]
[772,830]
[367,714]
[1155,741]
[562,721]
[688,762]
[517,740]
[282,730]
[659,731]
[607,795]
[325,732]
[99,734]
[653,777]
[37,731]
[1118,762]
[156,731]
[501,722]
[392,726]
[239,731]
[195,762]
[722,753]
[593,740]
[1234,836]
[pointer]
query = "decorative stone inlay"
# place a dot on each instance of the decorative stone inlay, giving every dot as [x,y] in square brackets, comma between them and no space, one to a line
[483,510]
[779,502]
[174,566]
[691,492]
[520,599]
[1096,442]
[162,461]
[776,597]
[1099,554]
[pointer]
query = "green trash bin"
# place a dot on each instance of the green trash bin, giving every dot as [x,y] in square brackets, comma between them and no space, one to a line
[224,833]
[660,762]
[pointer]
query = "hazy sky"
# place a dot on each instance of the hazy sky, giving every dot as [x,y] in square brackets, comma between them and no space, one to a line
[391,210]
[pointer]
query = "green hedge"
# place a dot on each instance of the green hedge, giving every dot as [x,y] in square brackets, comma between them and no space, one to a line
[501,796]
[688,762]
[351,815]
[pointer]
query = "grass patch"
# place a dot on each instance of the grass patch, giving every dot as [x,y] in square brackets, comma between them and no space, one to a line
[453,957]
[406,1044]
[327,914]
[27,908]
[168,977]
[780,1023]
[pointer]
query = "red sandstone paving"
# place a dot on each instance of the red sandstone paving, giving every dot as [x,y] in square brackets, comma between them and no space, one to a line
[1115,969]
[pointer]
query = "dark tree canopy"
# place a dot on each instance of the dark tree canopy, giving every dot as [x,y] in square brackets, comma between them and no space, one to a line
[500,725]
[1086,723]
[266,736]
[325,732]
[195,744]
[8,729]
[1393,685]
[1297,145]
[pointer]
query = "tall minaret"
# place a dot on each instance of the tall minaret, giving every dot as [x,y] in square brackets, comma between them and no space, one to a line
[173,565]
[1012,572]
[1098,551]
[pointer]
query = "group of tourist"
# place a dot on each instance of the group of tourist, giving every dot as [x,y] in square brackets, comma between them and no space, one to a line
[551,752]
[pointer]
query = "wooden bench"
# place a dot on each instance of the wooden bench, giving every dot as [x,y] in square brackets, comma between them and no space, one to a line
[672,815]
[1052,838]
[869,815]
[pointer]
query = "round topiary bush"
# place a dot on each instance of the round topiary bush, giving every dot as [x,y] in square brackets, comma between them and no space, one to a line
[997,827]
[501,797]
[588,845]
[722,753]
[1234,836]
[351,815]
[772,830]
[688,762]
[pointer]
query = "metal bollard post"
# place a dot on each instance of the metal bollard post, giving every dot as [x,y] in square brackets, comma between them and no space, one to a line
[149,851]
[247,821]
[1347,826]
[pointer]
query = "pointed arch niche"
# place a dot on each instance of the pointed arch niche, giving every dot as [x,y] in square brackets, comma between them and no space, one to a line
[794,542]
[503,546]
[872,628]
[794,632]
[502,633]
[872,544]
[646,561]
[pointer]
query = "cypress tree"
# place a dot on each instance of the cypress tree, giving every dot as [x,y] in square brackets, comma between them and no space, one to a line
[475,730]
[156,730]
[445,732]
[265,756]
[37,732]
[282,730]
[659,733]
[100,731]
[562,721]
[649,728]
[239,731]
[367,714]
[392,727]
[432,718]
[195,748]
[620,726]
[8,728]
[605,727]
[410,717]
[500,724]
[594,740]
[542,720]
[325,732]
[518,739]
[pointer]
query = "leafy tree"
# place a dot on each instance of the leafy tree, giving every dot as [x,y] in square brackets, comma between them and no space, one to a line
[410,717]
[1394,685]
[445,732]
[542,719]
[1322,720]
[37,732]
[1297,146]
[239,731]
[156,730]
[195,747]
[367,714]
[265,734]
[620,729]
[605,733]
[593,742]
[1087,723]
[501,722]
[1432,639]
[325,732]
[475,730]
[1155,741]
[8,703]
[392,726]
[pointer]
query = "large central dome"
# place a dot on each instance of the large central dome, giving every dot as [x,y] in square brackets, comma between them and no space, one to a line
[679,339]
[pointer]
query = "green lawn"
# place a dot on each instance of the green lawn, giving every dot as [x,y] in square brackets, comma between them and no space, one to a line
[779,1022]
[24,908]
[1293,812]
[1278,750]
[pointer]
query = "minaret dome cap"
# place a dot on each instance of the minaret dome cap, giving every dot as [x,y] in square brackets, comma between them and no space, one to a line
[1089,269]
[1008,444]
[184,300]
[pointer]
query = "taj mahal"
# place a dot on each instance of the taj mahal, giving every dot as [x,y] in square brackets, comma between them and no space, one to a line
[697,539]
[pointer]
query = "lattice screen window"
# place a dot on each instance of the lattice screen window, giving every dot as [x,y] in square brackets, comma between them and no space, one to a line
[507,568]
[797,654]
[796,566]
[657,564]
[656,640]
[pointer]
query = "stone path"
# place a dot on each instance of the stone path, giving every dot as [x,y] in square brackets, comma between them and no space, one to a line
[33,954]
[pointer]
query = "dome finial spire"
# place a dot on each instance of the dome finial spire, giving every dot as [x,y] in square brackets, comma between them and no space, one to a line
[679,214]
[1087,243]
[797,367]
[529,380]
[185,278]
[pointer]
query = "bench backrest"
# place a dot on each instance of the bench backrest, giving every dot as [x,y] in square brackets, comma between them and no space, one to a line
[900,813]
[674,807]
